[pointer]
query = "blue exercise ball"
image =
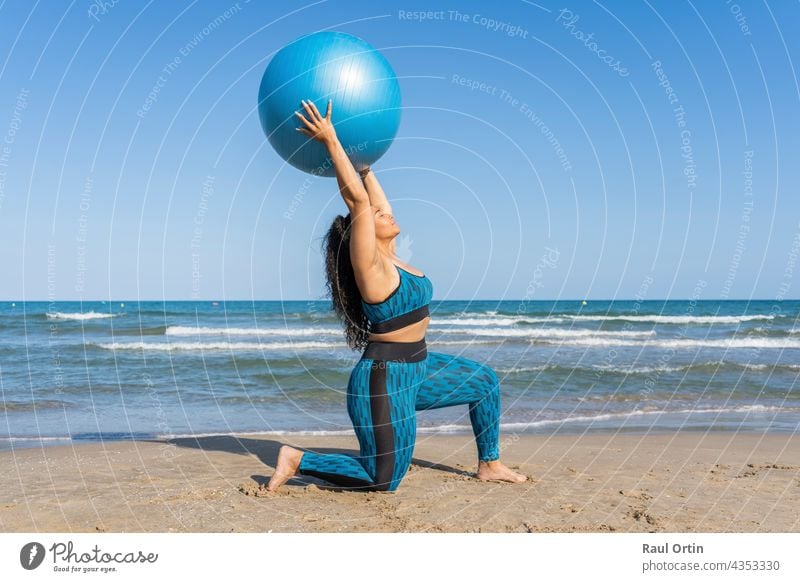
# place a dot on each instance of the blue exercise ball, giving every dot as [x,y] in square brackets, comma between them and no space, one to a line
[337,66]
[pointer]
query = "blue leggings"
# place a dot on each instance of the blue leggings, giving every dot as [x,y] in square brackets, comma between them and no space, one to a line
[388,385]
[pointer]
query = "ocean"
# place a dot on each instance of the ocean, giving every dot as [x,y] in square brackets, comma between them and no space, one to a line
[78,372]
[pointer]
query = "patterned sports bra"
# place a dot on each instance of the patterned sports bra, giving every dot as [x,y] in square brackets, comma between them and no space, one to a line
[407,304]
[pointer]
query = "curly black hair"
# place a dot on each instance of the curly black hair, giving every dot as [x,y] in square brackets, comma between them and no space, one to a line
[341,283]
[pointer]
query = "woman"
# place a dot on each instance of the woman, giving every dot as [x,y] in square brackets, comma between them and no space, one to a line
[385,308]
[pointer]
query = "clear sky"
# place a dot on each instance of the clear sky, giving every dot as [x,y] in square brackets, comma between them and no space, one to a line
[546,150]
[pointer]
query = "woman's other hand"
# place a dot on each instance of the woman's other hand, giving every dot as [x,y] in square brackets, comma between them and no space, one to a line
[316,126]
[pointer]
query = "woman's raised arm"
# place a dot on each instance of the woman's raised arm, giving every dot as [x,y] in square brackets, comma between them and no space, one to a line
[363,248]
[377,197]
[321,129]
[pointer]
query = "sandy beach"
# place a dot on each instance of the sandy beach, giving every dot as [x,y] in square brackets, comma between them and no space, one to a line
[678,482]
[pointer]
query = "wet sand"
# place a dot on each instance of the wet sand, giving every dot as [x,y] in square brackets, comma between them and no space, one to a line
[678,482]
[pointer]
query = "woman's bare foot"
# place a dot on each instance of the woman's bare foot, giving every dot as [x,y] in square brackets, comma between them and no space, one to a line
[497,471]
[286,467]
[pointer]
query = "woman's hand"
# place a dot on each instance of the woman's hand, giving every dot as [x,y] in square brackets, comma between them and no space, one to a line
[316,126]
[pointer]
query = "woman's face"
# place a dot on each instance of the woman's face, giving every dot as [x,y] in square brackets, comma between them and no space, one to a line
[385,226]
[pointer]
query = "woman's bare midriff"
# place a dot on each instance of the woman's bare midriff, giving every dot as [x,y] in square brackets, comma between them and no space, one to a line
[410,333]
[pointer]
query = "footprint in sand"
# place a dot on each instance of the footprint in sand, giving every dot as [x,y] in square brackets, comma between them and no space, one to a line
[753,469]
[640,514]
[636,494]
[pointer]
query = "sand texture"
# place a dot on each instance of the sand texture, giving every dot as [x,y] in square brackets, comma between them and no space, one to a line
[678,482]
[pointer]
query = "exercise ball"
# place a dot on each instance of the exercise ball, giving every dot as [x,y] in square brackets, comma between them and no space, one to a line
[337,66]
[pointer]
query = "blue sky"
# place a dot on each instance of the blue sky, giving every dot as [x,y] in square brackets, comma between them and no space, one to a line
[572,173]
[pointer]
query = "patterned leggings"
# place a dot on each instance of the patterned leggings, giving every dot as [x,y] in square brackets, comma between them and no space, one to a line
[388,385]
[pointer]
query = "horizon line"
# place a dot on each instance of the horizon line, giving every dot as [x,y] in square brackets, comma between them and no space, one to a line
[250,300]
